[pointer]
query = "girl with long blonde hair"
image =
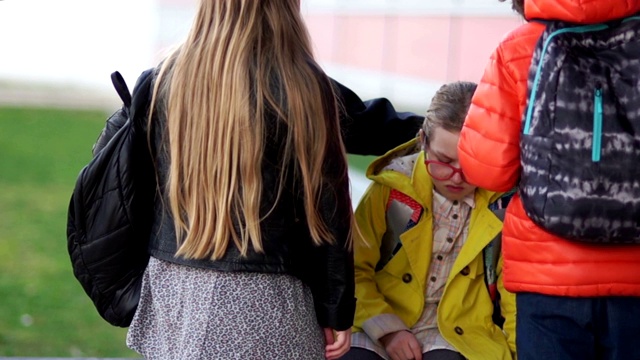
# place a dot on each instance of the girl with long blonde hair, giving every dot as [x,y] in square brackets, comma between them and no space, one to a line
[250,248]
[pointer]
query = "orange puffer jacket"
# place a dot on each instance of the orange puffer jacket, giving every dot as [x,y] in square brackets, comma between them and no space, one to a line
[534,260]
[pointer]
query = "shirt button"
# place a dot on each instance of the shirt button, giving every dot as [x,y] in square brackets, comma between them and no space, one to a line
[454,216]
[449,240]
[407,278]
[433,279]
[459,330]
[439,257]
[465,271]
[455,202]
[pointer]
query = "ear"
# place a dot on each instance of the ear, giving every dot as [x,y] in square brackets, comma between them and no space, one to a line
[423,139]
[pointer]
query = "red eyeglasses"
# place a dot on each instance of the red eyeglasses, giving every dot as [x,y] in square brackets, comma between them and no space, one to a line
[442,171]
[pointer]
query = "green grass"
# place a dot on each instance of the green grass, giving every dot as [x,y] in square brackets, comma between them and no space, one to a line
[359,162]
[43,310]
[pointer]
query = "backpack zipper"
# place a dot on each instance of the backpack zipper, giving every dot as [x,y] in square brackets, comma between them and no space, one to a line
[596,148]
[536,80]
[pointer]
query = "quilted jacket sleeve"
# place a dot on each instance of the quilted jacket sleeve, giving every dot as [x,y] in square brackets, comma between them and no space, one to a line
[489,147]
[334,285]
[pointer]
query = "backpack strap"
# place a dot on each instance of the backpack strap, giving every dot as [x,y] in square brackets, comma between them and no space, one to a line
[402,214]
[141,98]
[121,88]
[491,255]
[141,91]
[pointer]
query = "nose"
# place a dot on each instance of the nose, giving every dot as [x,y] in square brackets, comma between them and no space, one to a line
[457,178]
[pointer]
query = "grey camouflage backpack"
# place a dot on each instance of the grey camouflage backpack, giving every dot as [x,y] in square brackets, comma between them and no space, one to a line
[580,147]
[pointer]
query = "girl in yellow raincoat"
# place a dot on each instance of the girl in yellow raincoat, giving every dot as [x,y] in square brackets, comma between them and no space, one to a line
[420,253]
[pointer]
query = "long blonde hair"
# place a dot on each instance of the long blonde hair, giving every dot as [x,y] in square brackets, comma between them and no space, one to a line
[240,58]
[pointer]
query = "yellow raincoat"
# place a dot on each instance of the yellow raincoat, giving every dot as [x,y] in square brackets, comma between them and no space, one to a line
[465,310]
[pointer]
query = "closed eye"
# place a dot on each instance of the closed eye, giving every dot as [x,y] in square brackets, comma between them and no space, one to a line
[442,158]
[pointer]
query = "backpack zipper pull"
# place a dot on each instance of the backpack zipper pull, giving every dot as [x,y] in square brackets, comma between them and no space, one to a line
[596,149]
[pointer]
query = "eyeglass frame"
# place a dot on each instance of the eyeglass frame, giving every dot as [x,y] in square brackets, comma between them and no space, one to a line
[454,169]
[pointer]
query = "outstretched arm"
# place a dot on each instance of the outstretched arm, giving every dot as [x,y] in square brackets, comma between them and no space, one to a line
[374,127]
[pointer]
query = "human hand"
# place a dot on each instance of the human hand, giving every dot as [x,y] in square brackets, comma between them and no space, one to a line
[402,345]
[338,343]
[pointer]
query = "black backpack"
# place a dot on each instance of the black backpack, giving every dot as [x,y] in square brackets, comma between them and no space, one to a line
[580,148]
[111,209]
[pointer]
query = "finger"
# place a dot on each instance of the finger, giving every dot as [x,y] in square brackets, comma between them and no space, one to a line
[336,353]
[415,348]
[340,346]
[407,353]
[339,341]
[410,349]
[328,336]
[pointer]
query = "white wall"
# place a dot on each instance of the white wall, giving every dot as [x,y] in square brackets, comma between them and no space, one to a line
[409,7]
[80,42]
[76,42]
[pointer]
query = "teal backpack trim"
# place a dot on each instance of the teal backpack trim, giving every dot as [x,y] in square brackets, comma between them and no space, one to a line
[598,108]
[536,79]
[596,147]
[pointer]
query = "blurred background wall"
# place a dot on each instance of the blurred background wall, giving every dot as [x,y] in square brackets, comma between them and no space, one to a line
[401,49]
[406,49]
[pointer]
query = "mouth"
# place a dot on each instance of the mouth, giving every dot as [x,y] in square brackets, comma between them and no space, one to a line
[454,189]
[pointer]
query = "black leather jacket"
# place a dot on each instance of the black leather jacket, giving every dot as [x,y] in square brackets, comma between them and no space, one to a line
[369,128]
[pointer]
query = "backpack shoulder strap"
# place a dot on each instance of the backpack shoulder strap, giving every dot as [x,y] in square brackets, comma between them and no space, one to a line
[491,255]
[141,91]
[402,214]
[116,121]
[141,98]
[121,88]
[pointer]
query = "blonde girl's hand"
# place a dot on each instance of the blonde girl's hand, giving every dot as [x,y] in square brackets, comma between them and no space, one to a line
[337,343]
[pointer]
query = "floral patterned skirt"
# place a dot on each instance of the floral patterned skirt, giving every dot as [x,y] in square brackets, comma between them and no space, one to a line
[193,313]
